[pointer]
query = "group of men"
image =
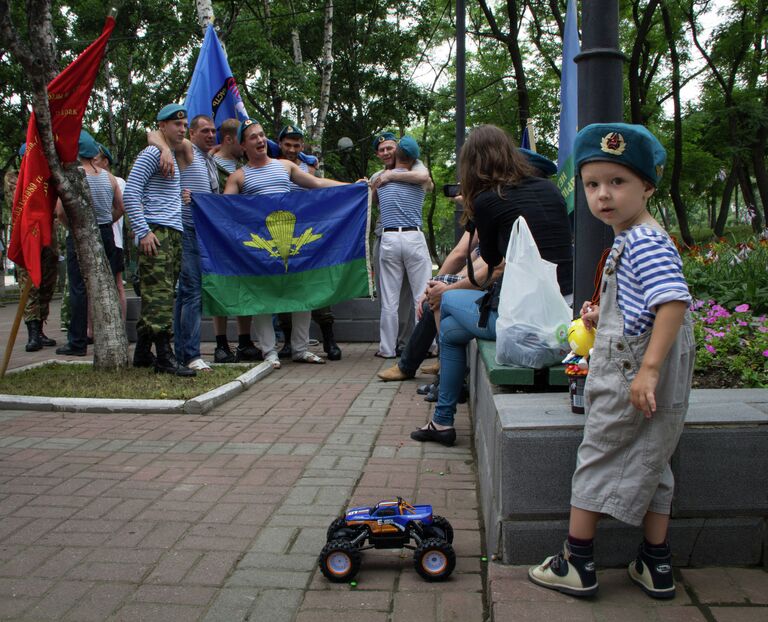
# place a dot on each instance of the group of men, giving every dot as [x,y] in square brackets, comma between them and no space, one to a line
[156,199]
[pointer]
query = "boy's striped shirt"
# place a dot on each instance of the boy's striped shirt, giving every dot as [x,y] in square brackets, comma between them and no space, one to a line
[650,273]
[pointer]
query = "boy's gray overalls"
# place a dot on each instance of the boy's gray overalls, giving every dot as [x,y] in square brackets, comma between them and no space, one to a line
[623,461]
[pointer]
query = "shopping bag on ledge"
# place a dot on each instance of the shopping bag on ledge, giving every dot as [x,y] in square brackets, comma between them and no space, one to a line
[532,327]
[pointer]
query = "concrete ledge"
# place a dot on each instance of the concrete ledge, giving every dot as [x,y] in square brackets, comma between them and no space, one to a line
[198,405]
[526,452]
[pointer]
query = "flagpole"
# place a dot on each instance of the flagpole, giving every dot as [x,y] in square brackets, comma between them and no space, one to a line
[15,327]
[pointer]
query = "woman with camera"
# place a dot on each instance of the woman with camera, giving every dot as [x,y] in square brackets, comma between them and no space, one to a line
[497,186]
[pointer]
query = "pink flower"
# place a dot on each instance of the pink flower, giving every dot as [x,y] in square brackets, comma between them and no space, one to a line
[740,323]
[765,353]
[712,350]
[762,329]
[742,308]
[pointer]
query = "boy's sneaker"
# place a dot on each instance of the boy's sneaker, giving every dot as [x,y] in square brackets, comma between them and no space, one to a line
[652,571]
[572,571]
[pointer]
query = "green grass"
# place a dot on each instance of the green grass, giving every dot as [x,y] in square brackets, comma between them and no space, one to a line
[80,380]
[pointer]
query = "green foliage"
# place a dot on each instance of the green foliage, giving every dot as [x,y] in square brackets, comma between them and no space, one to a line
[731,346]
[729,274]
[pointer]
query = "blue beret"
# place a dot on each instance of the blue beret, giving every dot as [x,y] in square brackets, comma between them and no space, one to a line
[106,153]
[409,146]
[632,146]
[380,138]
[22,149]
[247,123]
[172,112]
[290,130]
[540,162]
[87,147]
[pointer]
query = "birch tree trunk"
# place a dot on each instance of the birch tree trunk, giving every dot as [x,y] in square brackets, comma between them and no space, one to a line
[204,13]
[327,74]
[38,57]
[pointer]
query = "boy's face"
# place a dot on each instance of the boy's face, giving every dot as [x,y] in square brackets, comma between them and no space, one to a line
[616,195]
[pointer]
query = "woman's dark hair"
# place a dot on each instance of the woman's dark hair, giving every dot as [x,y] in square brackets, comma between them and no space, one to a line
[489,160]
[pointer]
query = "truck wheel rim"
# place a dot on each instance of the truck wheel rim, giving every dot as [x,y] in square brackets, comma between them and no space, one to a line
[339,563]
[434,562]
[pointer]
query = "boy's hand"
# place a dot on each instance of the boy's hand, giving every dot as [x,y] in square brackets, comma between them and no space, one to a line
[590,314]
[642,391]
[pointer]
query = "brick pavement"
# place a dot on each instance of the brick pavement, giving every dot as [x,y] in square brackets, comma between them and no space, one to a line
[221,517]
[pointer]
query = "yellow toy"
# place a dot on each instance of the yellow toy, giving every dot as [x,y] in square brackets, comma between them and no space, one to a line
[580,339]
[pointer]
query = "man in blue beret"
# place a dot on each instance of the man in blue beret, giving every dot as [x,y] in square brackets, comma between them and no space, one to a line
[384,146]
[403,251]
[199,175]
[153,205]
[291,142]
[106,161]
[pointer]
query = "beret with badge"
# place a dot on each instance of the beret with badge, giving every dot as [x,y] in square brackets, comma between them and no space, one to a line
[381,138]
[244,125]
[632,146]
[171,112]
[290,130]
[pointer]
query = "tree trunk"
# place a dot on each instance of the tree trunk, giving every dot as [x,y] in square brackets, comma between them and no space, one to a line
[758,163]
[745,183]
[38,58]
[725,201]
[326,75]
[677,162]
[204,13]
[637,91]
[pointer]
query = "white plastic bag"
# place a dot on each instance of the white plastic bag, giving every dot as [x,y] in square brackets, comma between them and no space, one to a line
[532,327]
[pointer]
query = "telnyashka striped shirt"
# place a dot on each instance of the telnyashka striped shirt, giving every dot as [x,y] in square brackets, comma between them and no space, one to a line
[400,204]
[151,198]
[199,176]
[650,274]
[269,179]
[102,194]
[228,165]
[304,167]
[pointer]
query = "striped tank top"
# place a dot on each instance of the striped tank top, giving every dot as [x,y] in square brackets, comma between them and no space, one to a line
[197,177]
[304,167]
[102,195]
[269,179]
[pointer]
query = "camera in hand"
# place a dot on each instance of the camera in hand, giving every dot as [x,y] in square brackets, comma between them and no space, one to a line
[452,190]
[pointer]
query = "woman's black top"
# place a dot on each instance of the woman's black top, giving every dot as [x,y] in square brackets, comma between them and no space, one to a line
[541,204]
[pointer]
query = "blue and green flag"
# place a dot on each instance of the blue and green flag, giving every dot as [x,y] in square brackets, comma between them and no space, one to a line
[275,253]
[569,107]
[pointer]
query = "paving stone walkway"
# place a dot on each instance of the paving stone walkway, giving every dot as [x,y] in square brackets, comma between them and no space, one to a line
[221,517]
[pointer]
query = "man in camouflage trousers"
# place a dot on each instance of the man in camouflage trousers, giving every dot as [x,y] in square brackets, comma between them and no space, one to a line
[38,302]
[153,205]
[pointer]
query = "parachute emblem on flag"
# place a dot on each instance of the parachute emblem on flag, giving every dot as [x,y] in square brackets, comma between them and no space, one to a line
[281,226]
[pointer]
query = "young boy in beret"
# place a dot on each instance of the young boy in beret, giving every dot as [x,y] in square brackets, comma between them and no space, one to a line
[640,370]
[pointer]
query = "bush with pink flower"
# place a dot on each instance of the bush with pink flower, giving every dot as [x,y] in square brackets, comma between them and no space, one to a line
[732,346]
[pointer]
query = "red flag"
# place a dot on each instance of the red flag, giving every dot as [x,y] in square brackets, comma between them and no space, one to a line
[35,198]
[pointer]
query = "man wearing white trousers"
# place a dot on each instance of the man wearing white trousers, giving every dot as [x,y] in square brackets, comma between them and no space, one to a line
[403,246]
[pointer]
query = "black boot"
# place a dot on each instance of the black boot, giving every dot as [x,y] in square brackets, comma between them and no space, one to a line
[142,354]
[330,346]
[285,352]
[165,361]
[35,341]
[44,339]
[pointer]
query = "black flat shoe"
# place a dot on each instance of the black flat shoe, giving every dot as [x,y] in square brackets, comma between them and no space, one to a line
[433,435]
[68,350]
[424,389]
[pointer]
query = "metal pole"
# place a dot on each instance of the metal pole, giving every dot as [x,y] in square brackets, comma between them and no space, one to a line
[601,100]
[461,101]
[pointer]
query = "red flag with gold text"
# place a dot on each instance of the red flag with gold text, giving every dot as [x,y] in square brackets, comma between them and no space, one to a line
[35,198]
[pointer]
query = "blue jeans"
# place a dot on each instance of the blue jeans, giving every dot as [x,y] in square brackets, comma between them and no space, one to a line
[459,315]
[187,311]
